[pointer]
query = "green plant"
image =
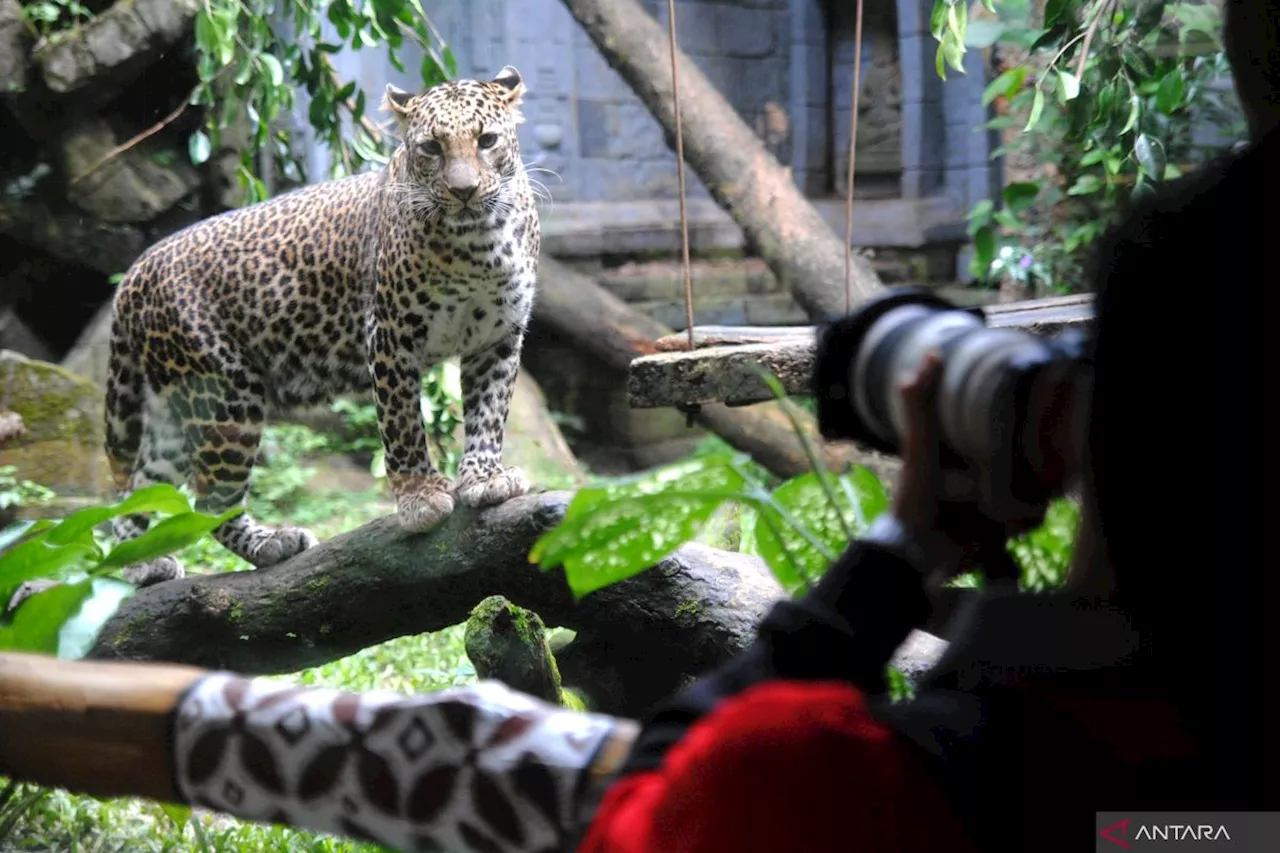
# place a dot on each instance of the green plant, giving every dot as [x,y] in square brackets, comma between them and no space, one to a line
[15,492]
[69,552]
[1107,99]
[46,17]
[251,61]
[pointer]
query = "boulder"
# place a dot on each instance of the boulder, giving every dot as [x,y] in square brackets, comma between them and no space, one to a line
[62,445]
[127,186]
[14,39]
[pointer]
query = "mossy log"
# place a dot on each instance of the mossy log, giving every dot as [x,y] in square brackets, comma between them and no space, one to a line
[509,644]
[636,642]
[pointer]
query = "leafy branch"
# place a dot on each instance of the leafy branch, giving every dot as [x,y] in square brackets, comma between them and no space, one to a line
[69,552]
[1106,100]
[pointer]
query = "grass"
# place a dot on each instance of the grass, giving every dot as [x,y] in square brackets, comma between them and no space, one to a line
[39,819]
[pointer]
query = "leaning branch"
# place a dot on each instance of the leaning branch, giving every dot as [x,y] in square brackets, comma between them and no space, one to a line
[689,613]
[739,172]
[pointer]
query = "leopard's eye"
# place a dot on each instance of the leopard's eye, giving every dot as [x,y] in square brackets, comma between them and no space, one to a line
[487,140]
[430,147]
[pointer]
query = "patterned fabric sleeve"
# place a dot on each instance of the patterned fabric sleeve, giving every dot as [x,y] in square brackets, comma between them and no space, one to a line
[480,768]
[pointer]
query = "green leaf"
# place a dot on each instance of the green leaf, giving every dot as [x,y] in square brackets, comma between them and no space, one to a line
[38,620]
[1150,155]
[1085,184]
[860,498]
[1054,11]
[1169,94]
[1068,86]
[450,63]
[173,534]
[1044,554]
[938,18]
[958,20]
[1132,121]
[980,215]
[1007,84]
[80,632]
[178,815]
[198,147]
[1019,196]
[274,70]
[984,249]
[612,532]
[953,49]
[159,497]
[1037,107]
[37,558]
[1138,60]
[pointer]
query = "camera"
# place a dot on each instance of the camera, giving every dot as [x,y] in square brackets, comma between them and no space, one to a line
[1004,403]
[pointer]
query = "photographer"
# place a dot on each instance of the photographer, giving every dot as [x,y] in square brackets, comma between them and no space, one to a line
[1135,687]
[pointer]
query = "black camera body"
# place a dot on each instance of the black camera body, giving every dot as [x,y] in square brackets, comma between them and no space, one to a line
[996,403]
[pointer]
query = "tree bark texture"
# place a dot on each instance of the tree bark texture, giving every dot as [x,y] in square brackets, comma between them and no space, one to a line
[637,641]
[739,172]
[678,619]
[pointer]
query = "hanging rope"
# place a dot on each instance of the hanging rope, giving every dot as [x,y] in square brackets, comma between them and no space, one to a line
[684,213]
[680,169]
[853,144]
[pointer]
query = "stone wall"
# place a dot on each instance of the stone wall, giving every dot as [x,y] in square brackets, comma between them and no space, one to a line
[785,65]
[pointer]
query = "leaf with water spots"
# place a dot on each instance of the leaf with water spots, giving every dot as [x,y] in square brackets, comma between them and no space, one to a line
[612,532]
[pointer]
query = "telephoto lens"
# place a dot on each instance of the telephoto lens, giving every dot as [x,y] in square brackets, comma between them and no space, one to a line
[999,404]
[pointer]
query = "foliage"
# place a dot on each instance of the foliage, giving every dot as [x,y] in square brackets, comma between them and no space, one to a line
[252,57]
[68,551]
[14,492]
[1107,98]
[47,17]
[1045,553]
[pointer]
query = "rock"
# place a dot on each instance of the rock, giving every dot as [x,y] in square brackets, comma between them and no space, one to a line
[18,336]
[14,38]
[88,356]
[11,426]
[130,186]
[112,50]
[62,448]
[534,441]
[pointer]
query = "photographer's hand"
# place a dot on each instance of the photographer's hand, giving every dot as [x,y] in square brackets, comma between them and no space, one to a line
[933,517]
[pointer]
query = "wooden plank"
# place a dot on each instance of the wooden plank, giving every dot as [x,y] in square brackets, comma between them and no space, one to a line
[724,367]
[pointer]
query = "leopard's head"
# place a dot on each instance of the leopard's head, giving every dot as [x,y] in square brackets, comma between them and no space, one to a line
[460,153]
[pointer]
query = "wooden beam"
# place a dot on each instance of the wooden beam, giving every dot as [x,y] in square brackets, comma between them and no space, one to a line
[723,366]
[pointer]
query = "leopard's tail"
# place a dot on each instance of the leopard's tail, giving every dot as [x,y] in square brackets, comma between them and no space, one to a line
[126,388]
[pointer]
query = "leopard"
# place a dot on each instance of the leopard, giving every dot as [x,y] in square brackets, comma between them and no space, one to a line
[356,284]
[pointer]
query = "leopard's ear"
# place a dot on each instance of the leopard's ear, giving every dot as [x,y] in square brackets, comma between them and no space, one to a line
[509,79]
[397,100]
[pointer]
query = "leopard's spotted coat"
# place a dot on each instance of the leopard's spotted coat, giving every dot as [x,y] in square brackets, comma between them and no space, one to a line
[362,281]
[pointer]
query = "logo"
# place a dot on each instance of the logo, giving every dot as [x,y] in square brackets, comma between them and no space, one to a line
[1122,828]
[1118,832]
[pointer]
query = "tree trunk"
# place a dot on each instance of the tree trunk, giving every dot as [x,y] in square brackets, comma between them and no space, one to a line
[597,321]
[740,173]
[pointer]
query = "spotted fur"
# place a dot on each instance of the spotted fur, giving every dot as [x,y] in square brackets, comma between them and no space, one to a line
[335,288]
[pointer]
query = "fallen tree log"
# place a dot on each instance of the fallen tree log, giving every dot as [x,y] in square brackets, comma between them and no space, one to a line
[739,172]
[725,371]
[636,641]
[582,311]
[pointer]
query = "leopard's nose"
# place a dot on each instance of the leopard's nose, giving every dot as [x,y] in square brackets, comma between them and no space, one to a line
[464,194]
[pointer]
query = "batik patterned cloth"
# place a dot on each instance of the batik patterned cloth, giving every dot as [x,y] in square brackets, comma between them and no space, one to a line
[480,768]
